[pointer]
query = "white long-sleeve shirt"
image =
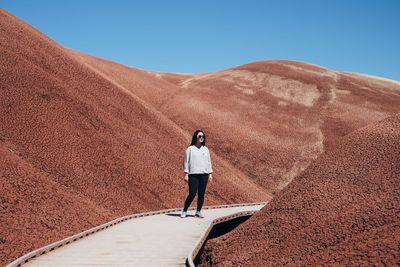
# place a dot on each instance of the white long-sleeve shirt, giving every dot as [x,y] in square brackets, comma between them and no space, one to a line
[197,160]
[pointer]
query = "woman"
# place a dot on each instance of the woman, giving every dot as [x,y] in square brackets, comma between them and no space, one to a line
[198,171]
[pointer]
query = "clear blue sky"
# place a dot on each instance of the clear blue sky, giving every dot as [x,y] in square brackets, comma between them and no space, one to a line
[203,36]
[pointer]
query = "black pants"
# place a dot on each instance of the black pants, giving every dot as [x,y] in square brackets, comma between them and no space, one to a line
[197,182]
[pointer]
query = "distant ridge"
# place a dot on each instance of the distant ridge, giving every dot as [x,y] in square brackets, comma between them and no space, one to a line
[397,83]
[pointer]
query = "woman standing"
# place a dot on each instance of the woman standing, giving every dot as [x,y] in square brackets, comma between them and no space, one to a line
[198,171]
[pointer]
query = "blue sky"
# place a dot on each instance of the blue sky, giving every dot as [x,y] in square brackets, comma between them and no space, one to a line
[203,36]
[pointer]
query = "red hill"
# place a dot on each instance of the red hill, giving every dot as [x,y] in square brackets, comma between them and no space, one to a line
[342,210]
[269,119]
[78,150]
[85,140]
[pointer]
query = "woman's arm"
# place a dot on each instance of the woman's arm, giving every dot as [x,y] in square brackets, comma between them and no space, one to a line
[210,177]
[186,159]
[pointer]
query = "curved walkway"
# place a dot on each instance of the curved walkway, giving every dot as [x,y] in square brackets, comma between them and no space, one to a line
[149,239]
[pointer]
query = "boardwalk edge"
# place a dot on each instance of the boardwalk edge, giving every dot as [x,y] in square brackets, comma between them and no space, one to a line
[40,251]
[193,253]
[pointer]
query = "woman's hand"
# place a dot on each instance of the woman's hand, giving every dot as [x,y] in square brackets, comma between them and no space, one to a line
[186,178]
[210,177]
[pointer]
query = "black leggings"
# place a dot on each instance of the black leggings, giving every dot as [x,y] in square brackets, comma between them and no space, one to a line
[197,182]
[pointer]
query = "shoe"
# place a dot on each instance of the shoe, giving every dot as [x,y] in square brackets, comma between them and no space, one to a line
[199,215]
[183,214]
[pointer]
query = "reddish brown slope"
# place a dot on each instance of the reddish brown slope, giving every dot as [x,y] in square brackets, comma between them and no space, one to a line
[270,119]
[78,149]
[344,209]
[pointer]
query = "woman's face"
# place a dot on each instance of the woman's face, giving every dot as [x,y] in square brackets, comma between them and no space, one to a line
[200,137]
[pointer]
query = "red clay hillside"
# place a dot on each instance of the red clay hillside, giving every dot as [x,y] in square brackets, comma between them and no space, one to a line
[77,150]
[343,210]
[85,140]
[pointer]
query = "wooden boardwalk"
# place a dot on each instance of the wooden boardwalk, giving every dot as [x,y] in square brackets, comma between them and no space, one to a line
[153,240]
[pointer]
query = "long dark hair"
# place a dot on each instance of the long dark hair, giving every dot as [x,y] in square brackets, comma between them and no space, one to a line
[194,138]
